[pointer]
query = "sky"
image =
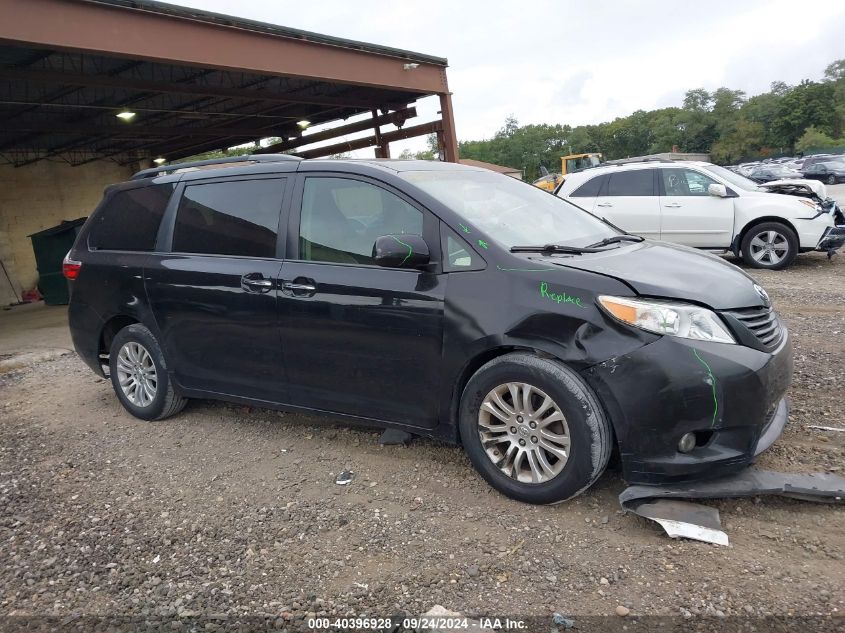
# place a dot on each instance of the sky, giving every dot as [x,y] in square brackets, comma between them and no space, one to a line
[563,61]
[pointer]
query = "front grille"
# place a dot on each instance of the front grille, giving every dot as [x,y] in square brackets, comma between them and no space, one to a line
[762,322]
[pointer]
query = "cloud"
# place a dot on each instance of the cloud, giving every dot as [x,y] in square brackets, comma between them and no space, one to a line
[574,62]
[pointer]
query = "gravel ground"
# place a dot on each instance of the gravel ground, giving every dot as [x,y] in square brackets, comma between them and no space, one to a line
[230,511]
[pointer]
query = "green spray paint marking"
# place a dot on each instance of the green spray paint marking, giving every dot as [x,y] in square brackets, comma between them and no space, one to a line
[712,386]
[559,298]
[483,244]
[408,246]
[524,270]
[464,227]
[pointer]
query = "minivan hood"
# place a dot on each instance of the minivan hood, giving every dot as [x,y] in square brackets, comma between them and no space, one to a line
[661,269]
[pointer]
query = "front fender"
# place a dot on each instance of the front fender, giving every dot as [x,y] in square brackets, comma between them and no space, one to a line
[552,312]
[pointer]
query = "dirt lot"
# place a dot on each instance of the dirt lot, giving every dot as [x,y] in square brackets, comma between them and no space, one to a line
[225,510]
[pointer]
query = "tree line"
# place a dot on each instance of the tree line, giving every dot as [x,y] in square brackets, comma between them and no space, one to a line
[726,123]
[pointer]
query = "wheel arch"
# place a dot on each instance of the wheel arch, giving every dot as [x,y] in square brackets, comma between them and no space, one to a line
[761,220]
[110,329]
[484,357]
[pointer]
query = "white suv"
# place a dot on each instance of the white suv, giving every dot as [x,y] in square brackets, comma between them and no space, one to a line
[705,206]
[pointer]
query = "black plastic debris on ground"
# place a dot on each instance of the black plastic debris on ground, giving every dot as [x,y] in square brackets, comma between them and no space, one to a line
[692,520]
[394,437]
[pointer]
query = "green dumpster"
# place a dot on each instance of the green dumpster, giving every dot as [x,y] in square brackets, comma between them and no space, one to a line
[50,247]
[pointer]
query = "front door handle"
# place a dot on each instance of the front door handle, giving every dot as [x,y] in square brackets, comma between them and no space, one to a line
[604,204]
[300,287]
[255,282]
[672,205]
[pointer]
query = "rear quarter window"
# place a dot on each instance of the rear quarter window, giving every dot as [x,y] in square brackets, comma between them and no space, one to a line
[589,189]
[128,220]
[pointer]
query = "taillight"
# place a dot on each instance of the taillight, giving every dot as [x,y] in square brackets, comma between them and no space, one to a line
[70,267]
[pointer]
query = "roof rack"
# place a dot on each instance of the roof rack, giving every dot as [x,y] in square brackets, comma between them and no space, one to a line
[248,158]
[629,161]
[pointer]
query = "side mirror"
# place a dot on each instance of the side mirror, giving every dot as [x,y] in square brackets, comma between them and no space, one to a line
[401,251]
[720,191]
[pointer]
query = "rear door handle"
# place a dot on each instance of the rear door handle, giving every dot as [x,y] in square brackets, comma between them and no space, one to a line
[604,204]
[255,282]
[672,205]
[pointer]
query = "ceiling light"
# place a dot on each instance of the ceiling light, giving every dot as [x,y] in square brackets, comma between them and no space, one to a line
[125,115]
[304,123]
[159,160]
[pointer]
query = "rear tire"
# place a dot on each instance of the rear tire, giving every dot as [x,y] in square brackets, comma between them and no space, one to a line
[769,245]
[831,180]
[139,375]
[515,447]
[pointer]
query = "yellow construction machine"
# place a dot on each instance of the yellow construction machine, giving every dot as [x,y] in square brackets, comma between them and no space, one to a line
[568,164]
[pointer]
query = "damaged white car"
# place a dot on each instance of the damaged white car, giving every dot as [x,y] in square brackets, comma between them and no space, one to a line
[709,207]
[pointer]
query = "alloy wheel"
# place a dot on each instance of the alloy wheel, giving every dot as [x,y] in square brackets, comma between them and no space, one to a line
[524,432]
[136,374]
[769,247]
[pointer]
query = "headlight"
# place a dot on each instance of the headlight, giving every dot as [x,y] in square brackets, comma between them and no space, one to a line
[809,203]
[669,318]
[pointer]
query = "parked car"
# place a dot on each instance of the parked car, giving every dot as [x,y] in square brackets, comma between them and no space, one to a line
[422,296]
[767,173]
[830,172]
[813,159]
[705,206]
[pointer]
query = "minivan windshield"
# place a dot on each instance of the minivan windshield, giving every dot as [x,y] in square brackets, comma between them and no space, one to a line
[735,179]
[510,211]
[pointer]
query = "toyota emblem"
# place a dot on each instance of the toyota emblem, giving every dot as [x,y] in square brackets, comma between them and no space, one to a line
[763,295]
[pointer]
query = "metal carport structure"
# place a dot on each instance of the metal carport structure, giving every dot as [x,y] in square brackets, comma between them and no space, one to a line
[194,81]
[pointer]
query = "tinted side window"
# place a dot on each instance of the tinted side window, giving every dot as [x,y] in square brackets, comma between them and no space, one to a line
[128,220]
[636,182]
[589,189]
[229,218]
[342,218]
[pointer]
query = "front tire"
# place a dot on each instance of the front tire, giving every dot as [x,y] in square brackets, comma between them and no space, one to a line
[770,245]
[139,375]
[831,180]
[534,429]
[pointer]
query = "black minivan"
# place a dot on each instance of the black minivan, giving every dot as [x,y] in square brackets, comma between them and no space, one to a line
[440,299]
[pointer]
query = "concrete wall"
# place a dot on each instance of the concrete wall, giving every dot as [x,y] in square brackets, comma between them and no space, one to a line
[39,196]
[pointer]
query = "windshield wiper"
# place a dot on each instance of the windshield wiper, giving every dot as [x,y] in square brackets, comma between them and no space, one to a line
[616,239]
[551,249]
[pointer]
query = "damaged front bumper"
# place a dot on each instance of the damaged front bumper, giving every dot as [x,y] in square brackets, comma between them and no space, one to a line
[832,240]
[730,396]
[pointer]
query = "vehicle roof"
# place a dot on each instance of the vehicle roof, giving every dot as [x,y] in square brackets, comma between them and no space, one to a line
[267,164]
[393,164]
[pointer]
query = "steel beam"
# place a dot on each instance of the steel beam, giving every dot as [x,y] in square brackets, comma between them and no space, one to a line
[370,141]
[123,31]
[140,131]
[447,138]
[51,77]
[397,118]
